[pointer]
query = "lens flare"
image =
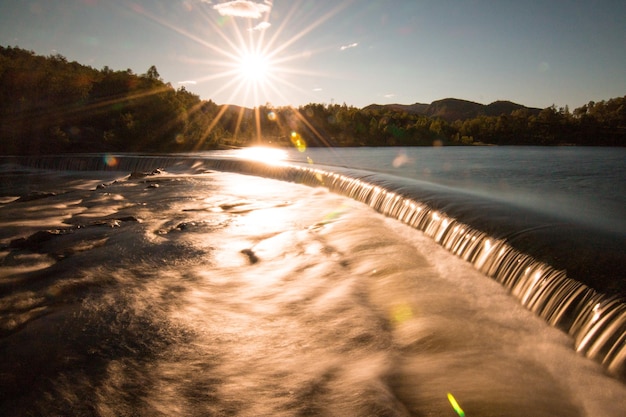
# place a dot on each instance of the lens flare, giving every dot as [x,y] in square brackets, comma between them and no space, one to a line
[455,405]
[401,313]
[110,160]
[298,141]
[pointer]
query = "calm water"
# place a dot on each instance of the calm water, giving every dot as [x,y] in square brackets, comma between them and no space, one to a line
[586,184]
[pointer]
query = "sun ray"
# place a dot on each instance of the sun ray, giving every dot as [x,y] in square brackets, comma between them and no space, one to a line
[210,128]
[250,60]
[303,32]
[317,134]
[257,124]
[189,35]
[253,64]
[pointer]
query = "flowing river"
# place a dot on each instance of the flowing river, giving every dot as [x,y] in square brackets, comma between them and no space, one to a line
[337,282]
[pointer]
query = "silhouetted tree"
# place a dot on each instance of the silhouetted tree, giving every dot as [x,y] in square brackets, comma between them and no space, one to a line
[152,73]
[50,105]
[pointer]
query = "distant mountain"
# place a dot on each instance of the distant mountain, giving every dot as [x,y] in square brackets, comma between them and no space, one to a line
[451,109]
[416,108]
[498,108]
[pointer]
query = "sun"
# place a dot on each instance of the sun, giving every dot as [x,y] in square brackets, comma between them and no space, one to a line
[254,67]
[253,59]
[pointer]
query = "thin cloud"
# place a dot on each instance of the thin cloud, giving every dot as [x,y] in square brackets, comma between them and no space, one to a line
[243,8]
[317,89]
[261,26]
[389,95]
[187,82]
[352,45]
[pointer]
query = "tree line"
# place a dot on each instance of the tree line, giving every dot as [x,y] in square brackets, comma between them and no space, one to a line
[49,105]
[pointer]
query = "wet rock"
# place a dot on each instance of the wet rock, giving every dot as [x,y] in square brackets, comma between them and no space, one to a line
[128,219]
[234,205]
[105,185]
[251,255]
[193,226]
[35,195]
[188,226]
[112,223]
[37,239]
[185,225]
[137,174]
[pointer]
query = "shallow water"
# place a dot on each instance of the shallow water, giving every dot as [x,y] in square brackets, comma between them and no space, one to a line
[188,293]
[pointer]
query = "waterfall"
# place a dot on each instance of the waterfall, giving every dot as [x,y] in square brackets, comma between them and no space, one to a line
[595,321]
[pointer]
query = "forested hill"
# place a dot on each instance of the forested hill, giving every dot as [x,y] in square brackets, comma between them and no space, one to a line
[51,105]
[453,109]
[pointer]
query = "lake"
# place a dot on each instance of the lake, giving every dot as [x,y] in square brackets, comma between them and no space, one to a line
[586,184]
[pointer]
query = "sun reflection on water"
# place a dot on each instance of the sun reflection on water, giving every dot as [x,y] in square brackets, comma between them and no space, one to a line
[268,155]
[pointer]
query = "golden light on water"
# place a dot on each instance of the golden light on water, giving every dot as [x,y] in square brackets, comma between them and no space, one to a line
[263,154]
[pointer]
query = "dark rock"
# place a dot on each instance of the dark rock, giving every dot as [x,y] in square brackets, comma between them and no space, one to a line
[230,206]
[137,174]
[185,225]
[112,223]
[37,239]
[35,195]
[128,219]
[251,255]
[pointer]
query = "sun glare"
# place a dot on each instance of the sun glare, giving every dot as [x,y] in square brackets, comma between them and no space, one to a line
[254,67]
[254,59]
[263,154]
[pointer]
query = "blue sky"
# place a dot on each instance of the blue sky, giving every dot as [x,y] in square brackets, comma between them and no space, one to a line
[360,52]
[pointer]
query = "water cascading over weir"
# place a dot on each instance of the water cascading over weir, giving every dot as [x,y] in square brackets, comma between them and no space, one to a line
[566,285]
